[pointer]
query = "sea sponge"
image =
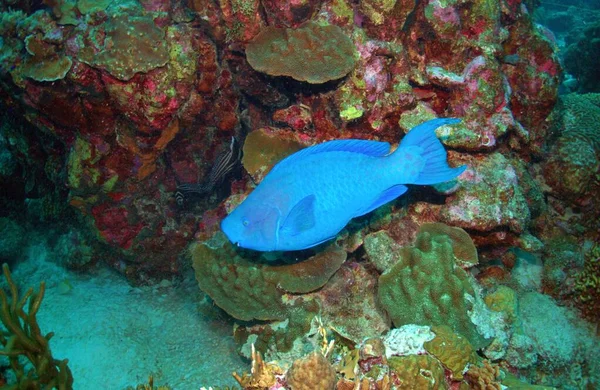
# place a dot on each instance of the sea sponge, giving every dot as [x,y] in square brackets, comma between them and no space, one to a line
[425,287]
[311,372]
[312,53]
[451,349]
[248,290]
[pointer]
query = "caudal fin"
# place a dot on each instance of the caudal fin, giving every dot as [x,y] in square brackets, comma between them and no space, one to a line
[436,169]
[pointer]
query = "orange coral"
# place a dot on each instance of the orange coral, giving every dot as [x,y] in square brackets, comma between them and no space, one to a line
[311,372]
[486,377]
[451,349]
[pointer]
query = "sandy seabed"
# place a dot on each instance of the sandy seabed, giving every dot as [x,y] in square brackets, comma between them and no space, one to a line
[116,335]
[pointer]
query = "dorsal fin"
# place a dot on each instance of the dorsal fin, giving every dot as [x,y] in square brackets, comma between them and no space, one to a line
[369,148]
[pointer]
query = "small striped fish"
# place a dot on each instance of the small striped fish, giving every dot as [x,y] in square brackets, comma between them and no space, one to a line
[223,166]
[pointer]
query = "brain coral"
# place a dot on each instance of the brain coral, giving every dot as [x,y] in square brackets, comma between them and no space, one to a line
[425,287]
[417,372]
[311,372]
[311,53]
[452,350]
[574,158]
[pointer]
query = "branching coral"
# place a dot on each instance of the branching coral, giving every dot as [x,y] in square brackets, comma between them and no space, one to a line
[23,337]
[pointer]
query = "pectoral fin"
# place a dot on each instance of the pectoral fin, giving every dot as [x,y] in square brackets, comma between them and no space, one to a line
[385,197]
[301,218]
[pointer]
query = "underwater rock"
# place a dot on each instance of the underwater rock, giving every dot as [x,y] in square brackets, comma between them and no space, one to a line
[534,78]
[12,239]
[489,197]
[350,305]
[384,20]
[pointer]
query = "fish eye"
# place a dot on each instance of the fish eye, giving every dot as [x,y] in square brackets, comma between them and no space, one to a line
[245,222]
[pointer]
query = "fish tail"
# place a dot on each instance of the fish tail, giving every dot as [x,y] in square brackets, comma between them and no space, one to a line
[436,168]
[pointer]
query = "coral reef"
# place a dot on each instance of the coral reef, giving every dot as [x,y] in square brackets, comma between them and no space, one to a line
[144,105]
[122,102]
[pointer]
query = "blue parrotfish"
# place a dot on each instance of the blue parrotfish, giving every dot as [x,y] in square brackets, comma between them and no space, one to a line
[310,196]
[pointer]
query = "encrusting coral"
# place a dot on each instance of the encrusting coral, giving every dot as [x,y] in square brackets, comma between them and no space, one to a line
[311,53]
[23,337]
[417,372]
[587,285]
[452,350]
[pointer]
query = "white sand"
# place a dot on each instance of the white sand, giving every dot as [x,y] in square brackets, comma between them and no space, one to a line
[115,335]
